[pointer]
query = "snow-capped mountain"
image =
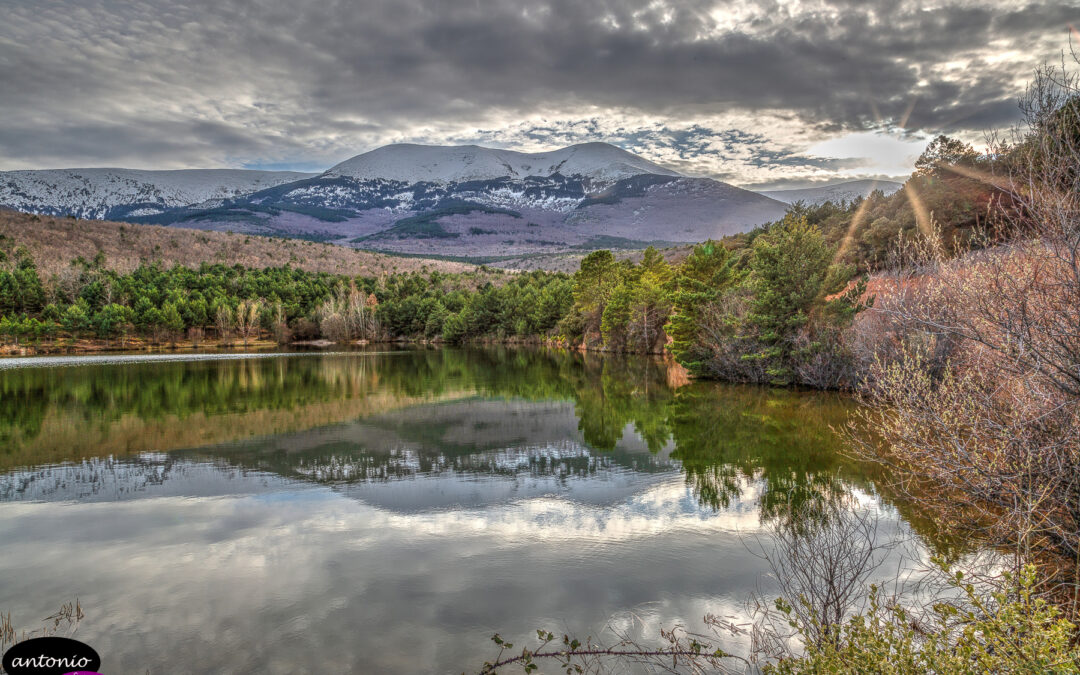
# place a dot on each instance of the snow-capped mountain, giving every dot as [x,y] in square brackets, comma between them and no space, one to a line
[835,193]
[124,193]
[408,163]
[469,201]
[466,201]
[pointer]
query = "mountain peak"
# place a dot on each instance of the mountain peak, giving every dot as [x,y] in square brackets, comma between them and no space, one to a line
[413,163]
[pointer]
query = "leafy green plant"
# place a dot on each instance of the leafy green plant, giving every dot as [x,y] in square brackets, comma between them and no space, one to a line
[1011,631]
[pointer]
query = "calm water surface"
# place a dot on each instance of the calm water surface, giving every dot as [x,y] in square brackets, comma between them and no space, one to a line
[388,512]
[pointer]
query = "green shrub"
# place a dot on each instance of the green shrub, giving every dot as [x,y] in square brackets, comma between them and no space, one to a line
[1012,631]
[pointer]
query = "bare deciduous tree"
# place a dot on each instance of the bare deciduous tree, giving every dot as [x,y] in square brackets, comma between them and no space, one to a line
[280,325]
[247,319]
[348,315]
[195,335]
[224,321]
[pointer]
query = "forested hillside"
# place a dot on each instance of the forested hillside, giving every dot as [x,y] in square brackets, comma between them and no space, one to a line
[54,242]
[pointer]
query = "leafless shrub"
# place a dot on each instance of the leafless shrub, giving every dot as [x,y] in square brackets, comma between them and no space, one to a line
[979,409]
[684,653]
[828,364]
[728,350]
[915,300]
[821,563]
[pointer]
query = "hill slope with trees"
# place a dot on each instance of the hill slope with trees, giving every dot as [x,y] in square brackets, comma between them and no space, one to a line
[55,241]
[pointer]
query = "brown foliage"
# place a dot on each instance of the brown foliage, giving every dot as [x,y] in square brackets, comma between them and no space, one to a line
[55,242]
[977,395]
[350,315]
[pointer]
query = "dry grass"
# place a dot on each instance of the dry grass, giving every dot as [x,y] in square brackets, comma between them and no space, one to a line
[55,242]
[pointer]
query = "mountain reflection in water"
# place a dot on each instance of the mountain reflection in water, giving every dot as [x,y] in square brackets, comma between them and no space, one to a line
[389,511]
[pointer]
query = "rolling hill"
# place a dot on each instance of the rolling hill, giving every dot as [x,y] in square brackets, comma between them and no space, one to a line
[55,242]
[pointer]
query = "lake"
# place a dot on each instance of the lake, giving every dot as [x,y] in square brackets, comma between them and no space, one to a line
[388,511]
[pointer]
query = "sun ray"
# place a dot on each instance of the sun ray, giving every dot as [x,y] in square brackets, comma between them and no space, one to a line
[977,174]
[876,112]
[907,113]
[923,218]
[856,220]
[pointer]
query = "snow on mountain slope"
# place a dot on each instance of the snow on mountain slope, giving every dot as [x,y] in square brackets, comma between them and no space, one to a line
[684,209]
[466,201]
[97,193]
[834,193]
[601,162]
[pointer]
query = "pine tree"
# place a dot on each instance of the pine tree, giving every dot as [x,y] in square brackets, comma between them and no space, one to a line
[706,274]
[594,284]
[788,271]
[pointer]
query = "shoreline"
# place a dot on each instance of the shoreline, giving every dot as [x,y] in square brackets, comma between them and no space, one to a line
[677,374]
[131,346]
[87,346]
[69,347]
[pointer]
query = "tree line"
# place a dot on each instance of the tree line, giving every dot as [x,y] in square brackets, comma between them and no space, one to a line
[757,315]
[237,303]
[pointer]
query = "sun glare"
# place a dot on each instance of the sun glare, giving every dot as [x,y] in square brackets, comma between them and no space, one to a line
[873,152]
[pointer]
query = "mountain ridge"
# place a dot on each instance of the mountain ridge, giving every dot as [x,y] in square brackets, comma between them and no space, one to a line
[414,163]
[96,192]
[835,192]
[455,201]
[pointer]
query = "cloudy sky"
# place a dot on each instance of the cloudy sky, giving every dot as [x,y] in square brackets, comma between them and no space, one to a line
[760,93]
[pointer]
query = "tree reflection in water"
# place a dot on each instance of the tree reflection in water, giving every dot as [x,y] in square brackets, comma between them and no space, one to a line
[382,416]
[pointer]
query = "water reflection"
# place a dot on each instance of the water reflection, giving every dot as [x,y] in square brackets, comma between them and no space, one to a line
[380,416]
[388,512]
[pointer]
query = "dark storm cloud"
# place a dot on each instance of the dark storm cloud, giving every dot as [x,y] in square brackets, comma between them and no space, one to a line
[190,140]
[272,81]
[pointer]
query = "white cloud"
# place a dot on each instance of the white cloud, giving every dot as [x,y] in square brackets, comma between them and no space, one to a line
[879,152]
[152,84]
